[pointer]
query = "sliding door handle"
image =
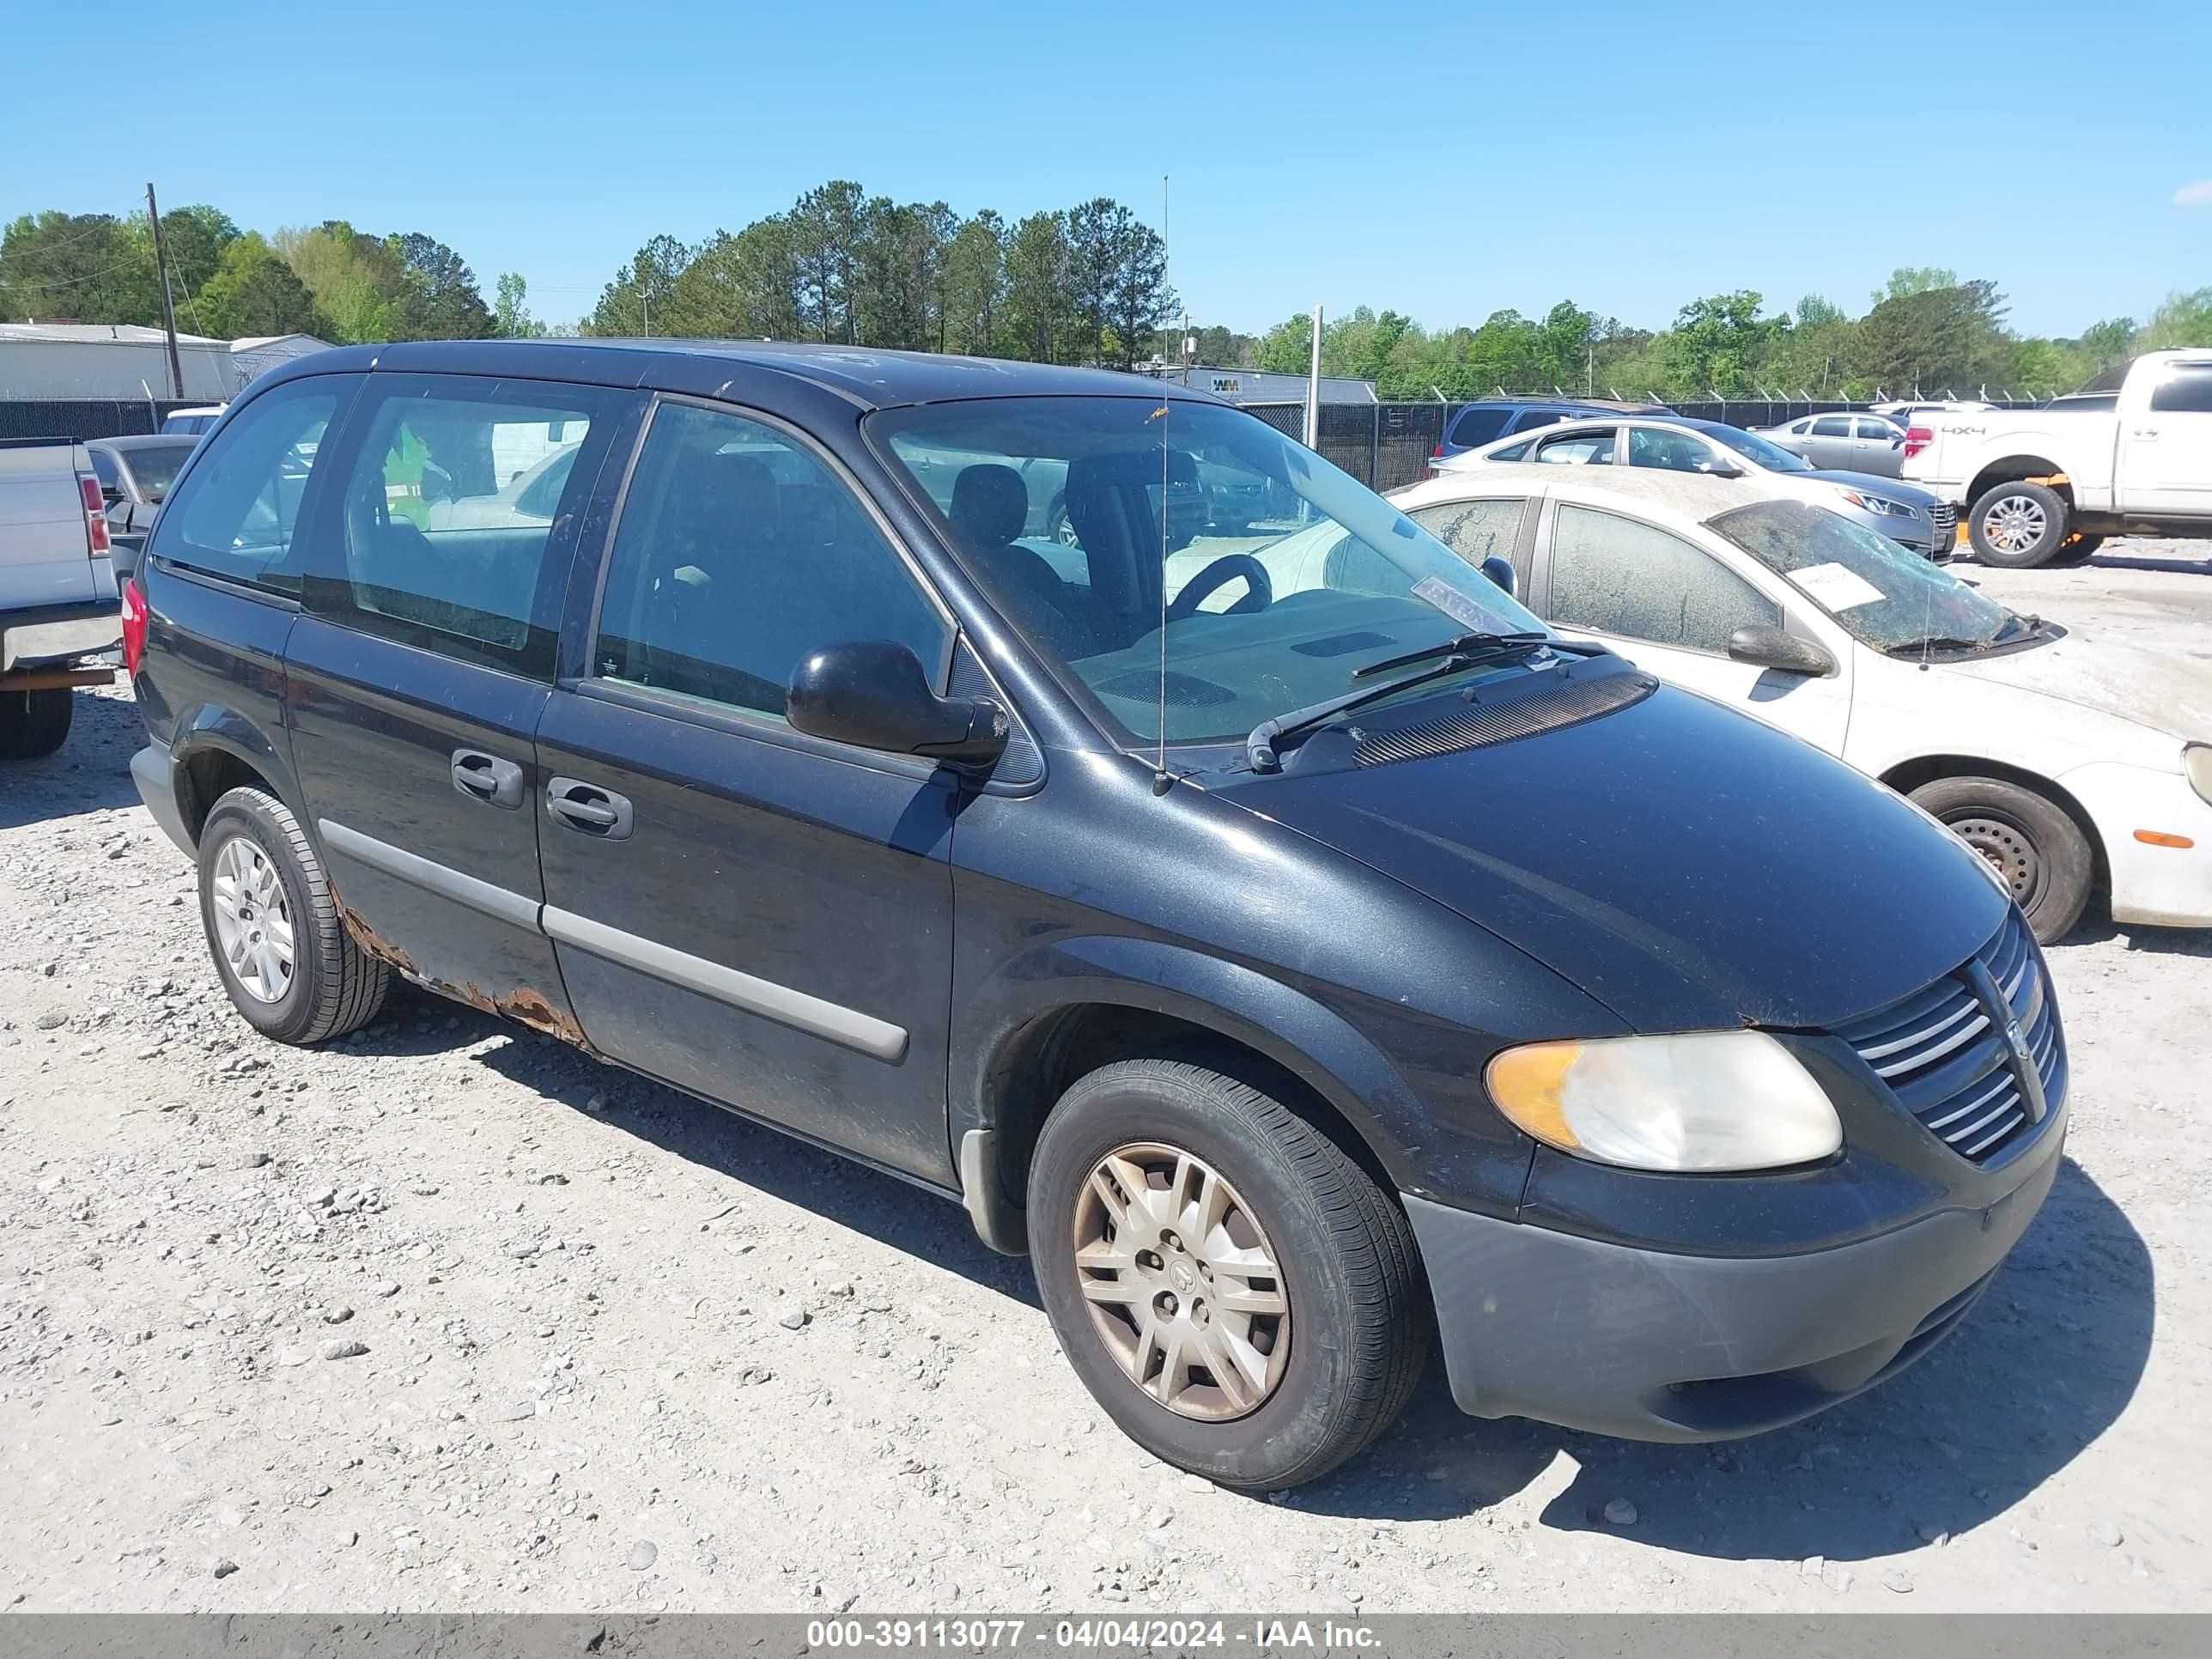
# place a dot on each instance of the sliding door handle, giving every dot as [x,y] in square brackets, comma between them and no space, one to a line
[588,808]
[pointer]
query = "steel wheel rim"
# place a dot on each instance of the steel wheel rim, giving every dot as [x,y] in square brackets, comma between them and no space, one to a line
[1063,529]
[2009,850]
[2015,523]
[1182,1282]
[253,920]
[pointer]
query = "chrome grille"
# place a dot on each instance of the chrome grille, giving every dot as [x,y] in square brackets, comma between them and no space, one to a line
[1945,1053]
[1945,518]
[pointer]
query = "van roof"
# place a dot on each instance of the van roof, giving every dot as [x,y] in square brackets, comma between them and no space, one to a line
[861,375]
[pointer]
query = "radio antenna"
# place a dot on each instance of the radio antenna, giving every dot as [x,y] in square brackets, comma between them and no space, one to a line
[1161,782]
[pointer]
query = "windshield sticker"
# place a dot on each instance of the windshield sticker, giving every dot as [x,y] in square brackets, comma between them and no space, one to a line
[1457,605]
[1838,587]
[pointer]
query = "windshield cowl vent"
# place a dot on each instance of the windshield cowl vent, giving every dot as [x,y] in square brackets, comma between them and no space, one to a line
[1568,703]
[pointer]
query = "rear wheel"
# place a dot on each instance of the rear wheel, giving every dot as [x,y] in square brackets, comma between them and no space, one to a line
[273,927]
[2033,842]
[33,723]
[2017,526]
[1234,1290]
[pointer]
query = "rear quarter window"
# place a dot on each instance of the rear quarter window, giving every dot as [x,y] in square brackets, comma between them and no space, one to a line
[1477,426]
[235,513]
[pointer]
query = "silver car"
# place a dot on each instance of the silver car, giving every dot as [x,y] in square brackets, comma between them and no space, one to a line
[1872,444]
[1904,512]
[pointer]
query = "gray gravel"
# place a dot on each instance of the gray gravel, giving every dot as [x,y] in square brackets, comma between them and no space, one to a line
[586,1393]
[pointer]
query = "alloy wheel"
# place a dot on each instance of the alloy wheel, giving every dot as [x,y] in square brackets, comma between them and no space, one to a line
[2014,524]
[1181,1283]
[253,920]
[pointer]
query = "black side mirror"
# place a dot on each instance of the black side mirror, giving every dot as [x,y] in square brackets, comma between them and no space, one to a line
[873,694]
[1770,647]
[110,493]
[1500,569]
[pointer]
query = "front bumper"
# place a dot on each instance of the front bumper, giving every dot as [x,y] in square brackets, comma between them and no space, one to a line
[54,634]
[2153,885]
[1651,1345]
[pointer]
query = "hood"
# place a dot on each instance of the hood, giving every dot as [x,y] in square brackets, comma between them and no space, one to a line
[1688,867]
[2167,692]
[1869,483]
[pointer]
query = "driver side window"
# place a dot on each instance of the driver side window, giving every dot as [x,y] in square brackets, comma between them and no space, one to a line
[1622,576]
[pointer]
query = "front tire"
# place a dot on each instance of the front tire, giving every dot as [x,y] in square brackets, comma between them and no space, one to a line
[2038,850]
[2018,525]
[1238,1294]
[273,927]
[33,724]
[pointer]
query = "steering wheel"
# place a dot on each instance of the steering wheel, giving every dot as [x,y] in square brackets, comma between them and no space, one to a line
[1259,595]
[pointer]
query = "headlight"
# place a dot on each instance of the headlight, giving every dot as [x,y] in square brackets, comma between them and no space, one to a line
[2196,761]
[1705,1100]
[1881,506]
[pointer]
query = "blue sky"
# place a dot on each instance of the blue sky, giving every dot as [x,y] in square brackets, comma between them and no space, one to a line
[1450,161]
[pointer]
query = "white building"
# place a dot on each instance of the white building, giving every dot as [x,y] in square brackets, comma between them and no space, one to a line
[256,354]
[108,360]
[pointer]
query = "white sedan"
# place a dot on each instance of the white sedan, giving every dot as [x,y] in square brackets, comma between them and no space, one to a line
[2058,756]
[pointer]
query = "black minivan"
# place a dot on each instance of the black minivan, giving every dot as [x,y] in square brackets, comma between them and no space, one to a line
[1279,935]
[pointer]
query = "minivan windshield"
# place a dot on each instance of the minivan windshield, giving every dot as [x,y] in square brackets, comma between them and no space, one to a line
[1882,594]
[1280,575]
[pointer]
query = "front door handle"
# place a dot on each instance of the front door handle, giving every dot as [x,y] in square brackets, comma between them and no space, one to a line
[586,807]
[487,777]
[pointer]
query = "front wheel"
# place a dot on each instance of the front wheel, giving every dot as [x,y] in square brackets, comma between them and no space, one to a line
[2033,842]
[2018,525]
[1234,1290]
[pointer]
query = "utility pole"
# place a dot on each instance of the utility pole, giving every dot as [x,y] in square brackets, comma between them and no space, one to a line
[169,306]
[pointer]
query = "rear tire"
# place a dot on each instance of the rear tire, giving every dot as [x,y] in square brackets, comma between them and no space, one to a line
[1341,1357]
[2018,525]
[33,723]
[2045,860]
[316,983]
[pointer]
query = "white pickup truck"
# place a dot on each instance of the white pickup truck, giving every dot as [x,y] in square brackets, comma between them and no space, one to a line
[59,610]
[2046,486]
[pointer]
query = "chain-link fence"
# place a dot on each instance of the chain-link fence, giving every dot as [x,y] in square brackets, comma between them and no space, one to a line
[87,418]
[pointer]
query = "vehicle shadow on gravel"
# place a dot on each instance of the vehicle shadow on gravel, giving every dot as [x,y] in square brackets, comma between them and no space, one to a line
[2039,1370]
[89,773]
[750,1155]
[2153,941]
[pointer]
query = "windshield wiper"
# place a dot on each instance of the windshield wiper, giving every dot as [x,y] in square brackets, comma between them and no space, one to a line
[1939,642]
[1453,647]
[1260,746]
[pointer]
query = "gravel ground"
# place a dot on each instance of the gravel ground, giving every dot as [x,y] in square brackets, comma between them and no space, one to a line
[448,1317]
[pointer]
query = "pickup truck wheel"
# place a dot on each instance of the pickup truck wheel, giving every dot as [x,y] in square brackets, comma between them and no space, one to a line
[273,927]
[2017,526]
[2034,844]
[33,723]
[1234,1290]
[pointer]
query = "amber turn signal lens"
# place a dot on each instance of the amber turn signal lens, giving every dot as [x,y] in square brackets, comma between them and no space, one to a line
[2160,838]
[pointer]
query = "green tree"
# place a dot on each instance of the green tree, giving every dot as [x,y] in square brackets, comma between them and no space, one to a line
[439,296]
[975,284]
[640,288]
[1715,343]
[827,226]
[738,287]
[253,291]
[510,312]
[84,267]
[1935,339]
[1287,348]
[2185,319]
[1041,323]
[1908,280]
[2109,342]
[1815,311]
[358,282]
